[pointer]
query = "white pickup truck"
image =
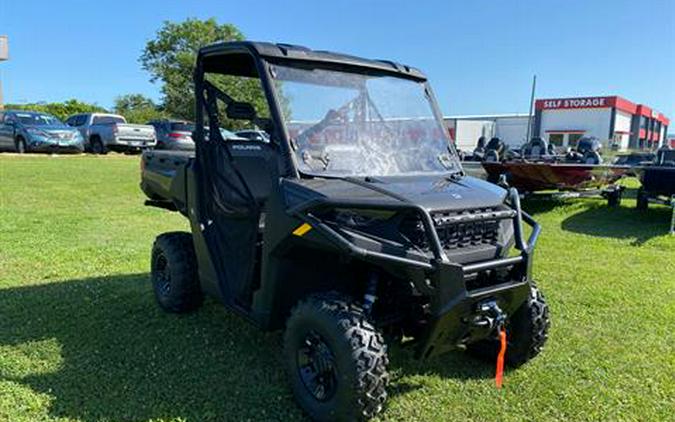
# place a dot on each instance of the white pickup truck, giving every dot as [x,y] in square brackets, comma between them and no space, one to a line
[111,132]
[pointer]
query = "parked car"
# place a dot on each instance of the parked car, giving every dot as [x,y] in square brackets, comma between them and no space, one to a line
[24,131]
[254,135]
[110,132]
[173,134]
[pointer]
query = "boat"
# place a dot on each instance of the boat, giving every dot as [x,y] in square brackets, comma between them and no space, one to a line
[540,176]
[538,168]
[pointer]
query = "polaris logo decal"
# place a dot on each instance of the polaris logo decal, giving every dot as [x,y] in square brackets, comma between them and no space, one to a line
[239,147]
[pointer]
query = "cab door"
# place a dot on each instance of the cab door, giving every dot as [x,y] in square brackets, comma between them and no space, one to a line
[235,177]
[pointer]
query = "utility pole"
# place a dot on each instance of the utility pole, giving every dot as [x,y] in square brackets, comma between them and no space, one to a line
[4,55]
[529,116]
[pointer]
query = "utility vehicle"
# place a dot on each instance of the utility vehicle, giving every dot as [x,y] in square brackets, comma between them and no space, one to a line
[658,182]
[353,224]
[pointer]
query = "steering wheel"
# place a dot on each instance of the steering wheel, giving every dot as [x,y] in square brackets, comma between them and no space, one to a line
[331,117]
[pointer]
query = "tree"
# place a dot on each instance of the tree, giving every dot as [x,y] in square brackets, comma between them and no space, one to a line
[170,58]
[137,108]
[61,109]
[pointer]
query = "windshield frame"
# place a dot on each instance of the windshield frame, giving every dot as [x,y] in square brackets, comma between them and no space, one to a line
[455,168]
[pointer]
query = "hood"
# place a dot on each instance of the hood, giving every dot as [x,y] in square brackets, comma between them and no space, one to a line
[432,192]
[52,128]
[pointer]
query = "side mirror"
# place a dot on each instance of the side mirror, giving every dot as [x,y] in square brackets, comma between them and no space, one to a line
[240,111]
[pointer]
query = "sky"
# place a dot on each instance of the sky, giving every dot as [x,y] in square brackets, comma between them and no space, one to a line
[480,56]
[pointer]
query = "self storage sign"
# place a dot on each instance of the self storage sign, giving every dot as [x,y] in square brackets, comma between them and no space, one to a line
[590,102]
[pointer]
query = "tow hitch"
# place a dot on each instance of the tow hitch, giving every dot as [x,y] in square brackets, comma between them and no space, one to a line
[491,318]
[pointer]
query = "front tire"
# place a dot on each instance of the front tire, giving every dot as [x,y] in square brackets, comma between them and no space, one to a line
[336,359]
[21,147]
[174,273]
[642,200]
[526,333]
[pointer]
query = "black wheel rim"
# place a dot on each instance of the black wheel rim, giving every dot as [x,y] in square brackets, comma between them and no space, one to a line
[162,275]
[317,368]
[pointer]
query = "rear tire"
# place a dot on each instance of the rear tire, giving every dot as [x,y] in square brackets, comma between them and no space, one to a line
[174,273]
[336,359]
[642,200]
[21,147]
[526,333]
[97,146]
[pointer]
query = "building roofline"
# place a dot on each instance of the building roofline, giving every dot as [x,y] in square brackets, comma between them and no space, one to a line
[486,116]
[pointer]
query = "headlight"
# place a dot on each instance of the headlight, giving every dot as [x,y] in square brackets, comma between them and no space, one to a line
[359,218]
[401,227]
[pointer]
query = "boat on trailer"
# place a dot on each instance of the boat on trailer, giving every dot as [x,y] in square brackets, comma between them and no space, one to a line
[537,169]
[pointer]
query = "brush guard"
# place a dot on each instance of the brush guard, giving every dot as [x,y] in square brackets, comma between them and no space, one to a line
[453,306]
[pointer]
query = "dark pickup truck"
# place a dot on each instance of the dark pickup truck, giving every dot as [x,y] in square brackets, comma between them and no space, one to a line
[158,169]
[158,175]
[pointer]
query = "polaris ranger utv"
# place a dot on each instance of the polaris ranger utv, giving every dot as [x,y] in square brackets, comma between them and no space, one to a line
[353,223]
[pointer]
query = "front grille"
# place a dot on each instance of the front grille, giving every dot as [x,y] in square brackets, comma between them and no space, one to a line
[61,135]
[469,228]
[458,229]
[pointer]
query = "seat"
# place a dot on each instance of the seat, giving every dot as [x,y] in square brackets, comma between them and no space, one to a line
[536,148]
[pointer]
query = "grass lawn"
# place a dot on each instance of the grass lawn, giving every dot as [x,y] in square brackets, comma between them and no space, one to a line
[82,340]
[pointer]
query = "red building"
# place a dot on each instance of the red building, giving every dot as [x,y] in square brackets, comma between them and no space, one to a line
[618,123]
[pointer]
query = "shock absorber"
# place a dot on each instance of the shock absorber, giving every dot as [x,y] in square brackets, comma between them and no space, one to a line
[370,297]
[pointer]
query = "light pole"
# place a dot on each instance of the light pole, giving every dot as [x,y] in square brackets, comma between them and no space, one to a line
[4,55]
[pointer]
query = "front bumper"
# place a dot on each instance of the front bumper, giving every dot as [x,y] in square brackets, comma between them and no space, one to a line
[454,299]
[131,144]
[56,146]
[176,146]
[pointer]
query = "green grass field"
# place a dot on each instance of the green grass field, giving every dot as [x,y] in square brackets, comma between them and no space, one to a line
[82,340]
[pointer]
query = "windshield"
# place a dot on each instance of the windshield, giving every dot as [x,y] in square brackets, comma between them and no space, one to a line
[34,119]
[182,127]
[344,123]
[108,120]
